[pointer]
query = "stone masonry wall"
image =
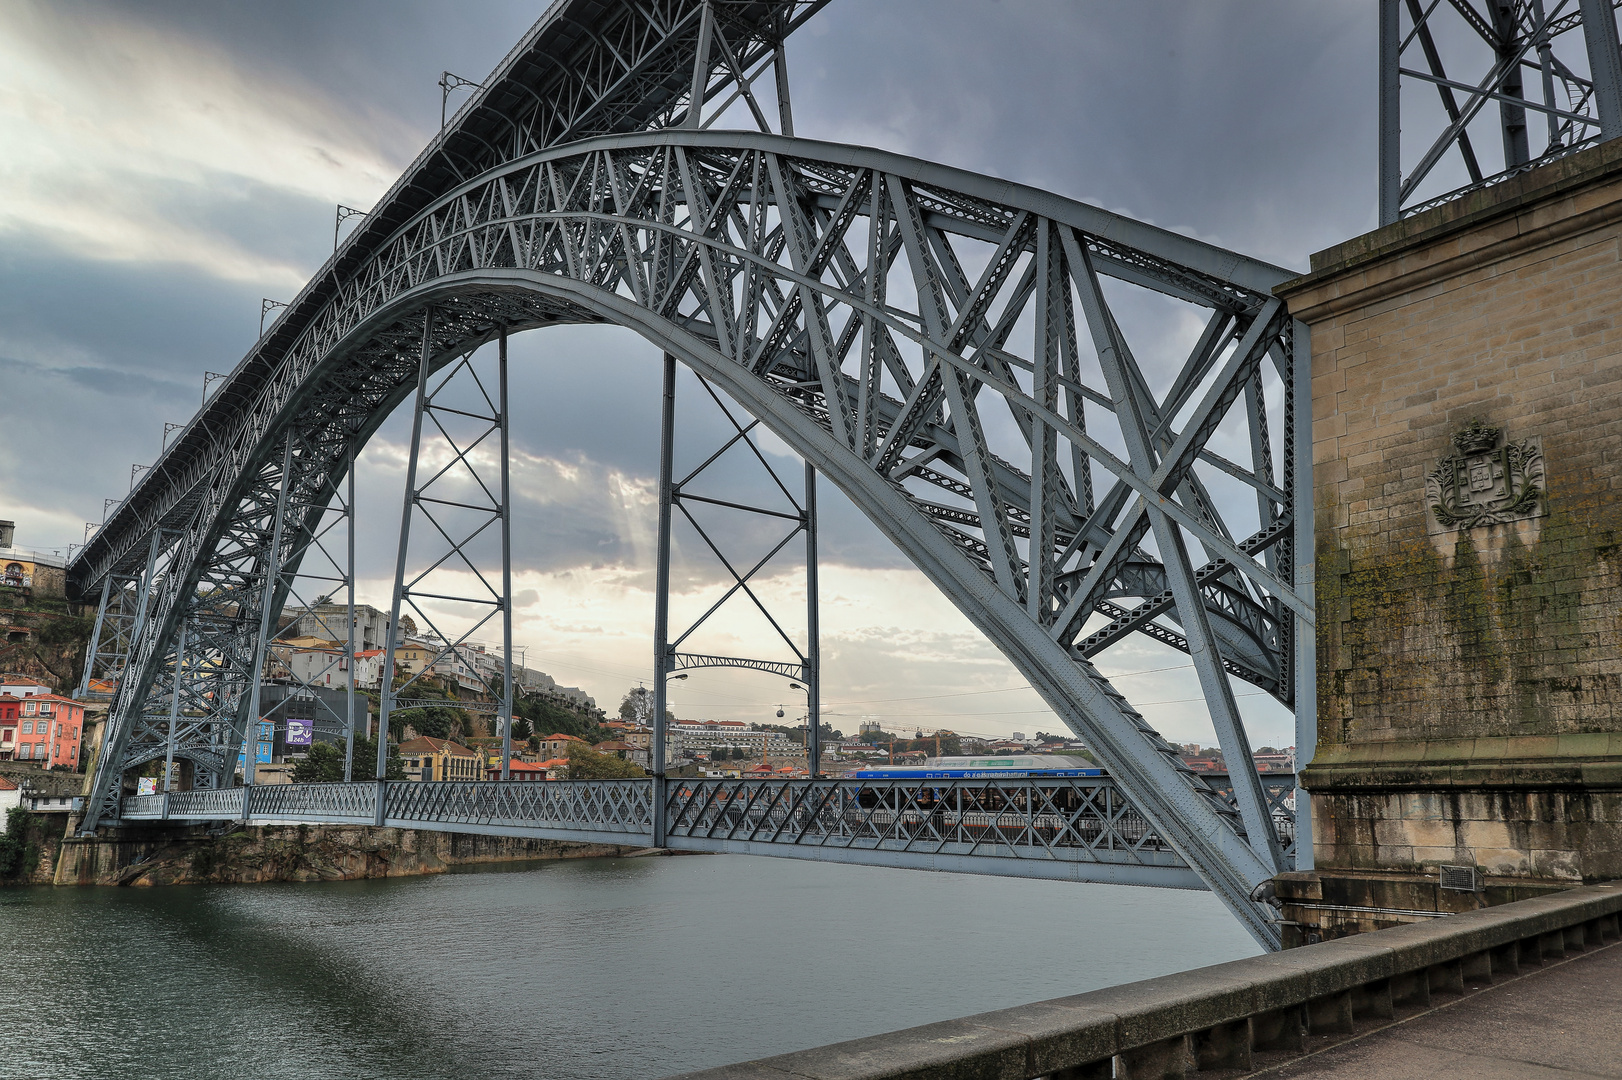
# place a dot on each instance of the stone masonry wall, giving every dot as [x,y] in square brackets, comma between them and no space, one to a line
[1470,680]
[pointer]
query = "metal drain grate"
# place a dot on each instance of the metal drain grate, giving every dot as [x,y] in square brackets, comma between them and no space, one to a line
[1461,878]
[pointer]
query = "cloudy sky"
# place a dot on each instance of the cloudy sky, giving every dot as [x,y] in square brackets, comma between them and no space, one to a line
[167,164]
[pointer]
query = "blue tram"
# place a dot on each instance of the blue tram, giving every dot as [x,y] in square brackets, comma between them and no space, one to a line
[1013,767]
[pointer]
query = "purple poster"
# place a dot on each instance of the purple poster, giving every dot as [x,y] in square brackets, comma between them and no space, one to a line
[299,732]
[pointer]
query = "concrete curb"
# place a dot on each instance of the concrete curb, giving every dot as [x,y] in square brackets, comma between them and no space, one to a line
[1219,1017]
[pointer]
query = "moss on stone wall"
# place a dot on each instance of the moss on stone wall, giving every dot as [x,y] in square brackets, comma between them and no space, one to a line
[1502,637]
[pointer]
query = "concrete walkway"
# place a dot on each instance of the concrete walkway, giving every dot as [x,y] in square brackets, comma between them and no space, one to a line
[1563,1021]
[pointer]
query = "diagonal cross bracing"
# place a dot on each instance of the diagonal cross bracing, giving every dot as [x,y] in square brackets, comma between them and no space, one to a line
[897,412]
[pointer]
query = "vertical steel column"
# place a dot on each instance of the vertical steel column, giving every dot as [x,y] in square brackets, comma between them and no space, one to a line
[386,698]
[506,574]
[1511,117]
[115,770]
[174,712]
[813,653]
[661,599]
[354,672]
[1306,645]
[785,112]
[273,576]
[95,639]
[1390,111]
[1604,63]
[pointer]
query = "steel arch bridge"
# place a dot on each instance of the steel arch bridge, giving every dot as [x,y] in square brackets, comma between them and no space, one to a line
[949,349]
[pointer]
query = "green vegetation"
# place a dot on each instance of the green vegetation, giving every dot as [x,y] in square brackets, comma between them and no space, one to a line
[325,763]
[545,718]
[587,764]
[19,851]
[943,744]
[436,721]
[637,704]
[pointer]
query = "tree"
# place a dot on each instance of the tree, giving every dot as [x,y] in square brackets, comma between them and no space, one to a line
[324,763]
[521,729]
[408,625]
[587,764]
[637,706]
[637,703]
[19,854]
[435,721]
[546,718]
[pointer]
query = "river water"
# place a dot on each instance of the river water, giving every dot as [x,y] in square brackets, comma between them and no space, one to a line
[614,968]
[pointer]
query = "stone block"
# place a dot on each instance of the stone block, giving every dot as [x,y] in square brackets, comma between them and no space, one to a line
[1226,1046]
[1058,1036]
[952,1050]
[1172,1059]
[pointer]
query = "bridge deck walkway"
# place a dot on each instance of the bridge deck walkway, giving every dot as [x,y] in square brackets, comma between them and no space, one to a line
[1562,1021]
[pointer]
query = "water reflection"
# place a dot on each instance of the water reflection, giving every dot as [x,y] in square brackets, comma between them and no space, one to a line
[612,968]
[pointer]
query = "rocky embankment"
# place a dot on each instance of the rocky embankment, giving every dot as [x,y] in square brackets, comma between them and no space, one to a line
[283,853]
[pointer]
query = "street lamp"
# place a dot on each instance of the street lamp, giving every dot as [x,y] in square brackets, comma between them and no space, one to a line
[813,749]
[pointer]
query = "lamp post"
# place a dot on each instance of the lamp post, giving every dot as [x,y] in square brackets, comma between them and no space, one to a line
[813,731]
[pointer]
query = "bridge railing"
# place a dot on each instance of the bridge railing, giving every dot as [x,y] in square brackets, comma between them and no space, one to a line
[1051,817]
[1068,819]
[329,802]
[215,803]
[611,806]
[144,806]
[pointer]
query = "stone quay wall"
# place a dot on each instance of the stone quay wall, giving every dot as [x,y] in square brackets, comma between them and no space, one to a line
[1469,581]
[258,853]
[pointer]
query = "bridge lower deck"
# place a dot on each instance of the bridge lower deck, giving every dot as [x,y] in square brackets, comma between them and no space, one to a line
[1067,828]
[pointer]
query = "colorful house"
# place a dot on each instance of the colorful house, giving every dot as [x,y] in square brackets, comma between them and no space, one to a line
[427,758]
[46,729]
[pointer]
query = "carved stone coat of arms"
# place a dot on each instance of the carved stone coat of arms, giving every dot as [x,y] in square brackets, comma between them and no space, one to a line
[1485,483]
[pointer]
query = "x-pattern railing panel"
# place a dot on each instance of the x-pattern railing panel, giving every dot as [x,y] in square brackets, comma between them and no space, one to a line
[215,804]
[327,801]
[1068,819]
[592,805]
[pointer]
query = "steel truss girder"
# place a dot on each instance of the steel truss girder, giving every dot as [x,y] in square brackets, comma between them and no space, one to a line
[1515,39]
[685,237]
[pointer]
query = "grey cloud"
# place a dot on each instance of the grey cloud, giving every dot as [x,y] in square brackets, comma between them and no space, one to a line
[1245,122]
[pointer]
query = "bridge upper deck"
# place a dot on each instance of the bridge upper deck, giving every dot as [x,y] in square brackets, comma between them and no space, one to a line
[586,68]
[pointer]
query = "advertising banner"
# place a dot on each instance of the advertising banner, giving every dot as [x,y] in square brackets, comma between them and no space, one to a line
[146,785]
[300,732]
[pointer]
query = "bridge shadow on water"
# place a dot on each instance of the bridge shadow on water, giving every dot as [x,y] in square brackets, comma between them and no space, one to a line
[612,968]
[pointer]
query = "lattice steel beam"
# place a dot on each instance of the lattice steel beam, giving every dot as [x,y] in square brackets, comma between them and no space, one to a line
[1476,53]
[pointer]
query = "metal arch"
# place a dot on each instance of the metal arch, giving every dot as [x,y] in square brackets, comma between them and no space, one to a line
[729,251]
[586,68]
